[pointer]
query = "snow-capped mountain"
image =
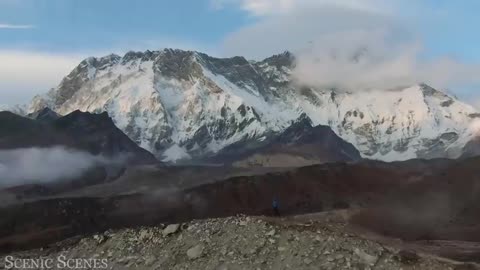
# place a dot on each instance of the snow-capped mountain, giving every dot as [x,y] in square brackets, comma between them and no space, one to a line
[299,145]
[17,109]
[187,105]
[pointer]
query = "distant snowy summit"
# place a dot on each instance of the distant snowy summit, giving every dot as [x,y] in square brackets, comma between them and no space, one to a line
[17,109]
[184,105]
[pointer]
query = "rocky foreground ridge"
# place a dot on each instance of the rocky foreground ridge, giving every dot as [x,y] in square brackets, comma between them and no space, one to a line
[240,243]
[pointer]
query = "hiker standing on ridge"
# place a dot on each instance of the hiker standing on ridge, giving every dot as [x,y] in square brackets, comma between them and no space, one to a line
[275,206]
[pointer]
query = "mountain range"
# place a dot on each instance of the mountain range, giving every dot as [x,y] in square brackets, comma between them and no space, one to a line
[92,133]
[199,111]
[188,106]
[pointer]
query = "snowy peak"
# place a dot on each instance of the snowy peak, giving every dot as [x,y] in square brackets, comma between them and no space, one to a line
[82,74]
[285,59]
[16,109]
[185,105]
[177,64]
[429,92]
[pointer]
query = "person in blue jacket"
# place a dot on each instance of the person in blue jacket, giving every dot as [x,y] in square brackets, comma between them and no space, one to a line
[275,207]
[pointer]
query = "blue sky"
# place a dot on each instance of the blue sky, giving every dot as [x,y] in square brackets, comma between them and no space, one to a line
[41,40]
[91,25]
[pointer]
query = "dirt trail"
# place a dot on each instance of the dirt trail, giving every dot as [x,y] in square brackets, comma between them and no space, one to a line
[464,251]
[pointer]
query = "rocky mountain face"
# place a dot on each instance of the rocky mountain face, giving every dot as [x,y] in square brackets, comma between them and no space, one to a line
[21,132]
[184,105]
[44,115]
[99,135]
[301,144]
[472,148]
[93,133]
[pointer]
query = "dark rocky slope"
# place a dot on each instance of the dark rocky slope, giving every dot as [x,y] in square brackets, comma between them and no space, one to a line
[303,190]
[94,133]
[20,132]
[301,144]
[97,134]
[472,148]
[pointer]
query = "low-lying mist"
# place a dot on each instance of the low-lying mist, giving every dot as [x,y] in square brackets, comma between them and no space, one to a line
[45,165]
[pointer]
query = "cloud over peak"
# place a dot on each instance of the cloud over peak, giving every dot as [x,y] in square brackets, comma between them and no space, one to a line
[352,44]
[16,26]
[277,7]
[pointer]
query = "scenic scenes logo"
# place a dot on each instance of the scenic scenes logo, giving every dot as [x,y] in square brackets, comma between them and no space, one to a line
[61,262]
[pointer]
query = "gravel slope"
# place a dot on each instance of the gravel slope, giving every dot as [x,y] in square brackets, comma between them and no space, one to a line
[238,243]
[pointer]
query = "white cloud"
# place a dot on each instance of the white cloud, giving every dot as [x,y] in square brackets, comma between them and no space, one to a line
[301,27]
[24,74]
[16,26]
[475,101]
[359,60]
[275,7]
[353,44]
[474,128]
[44,165]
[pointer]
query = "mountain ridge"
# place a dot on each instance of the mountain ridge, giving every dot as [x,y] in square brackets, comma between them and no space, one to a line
[92,133]
[185,104]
